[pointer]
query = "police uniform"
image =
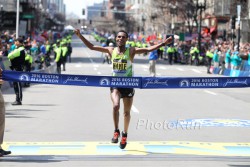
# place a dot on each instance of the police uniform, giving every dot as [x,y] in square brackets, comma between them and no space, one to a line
[64,55]
[170,52]
[209,60]
[28,63]
[17,59]
[58,59]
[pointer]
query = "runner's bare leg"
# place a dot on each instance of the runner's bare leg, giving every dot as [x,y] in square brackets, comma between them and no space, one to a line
[127,108]
[115,97]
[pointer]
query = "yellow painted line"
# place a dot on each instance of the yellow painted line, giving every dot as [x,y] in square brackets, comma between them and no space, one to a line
[133,148]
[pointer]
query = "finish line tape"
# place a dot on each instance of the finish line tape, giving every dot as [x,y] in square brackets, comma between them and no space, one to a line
[127,82]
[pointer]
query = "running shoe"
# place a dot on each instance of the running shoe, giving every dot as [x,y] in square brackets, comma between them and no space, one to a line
[3,152]
[116,136]
[123,142]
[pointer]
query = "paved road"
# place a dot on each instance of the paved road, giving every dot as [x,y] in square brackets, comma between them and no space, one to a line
[72,125]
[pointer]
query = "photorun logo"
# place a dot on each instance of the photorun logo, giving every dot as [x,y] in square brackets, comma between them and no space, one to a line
[104,82]
[24,77]
[184,83]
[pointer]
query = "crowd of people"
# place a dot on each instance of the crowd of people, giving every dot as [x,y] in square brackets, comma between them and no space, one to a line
[119,49]
[219,53]
[27,54]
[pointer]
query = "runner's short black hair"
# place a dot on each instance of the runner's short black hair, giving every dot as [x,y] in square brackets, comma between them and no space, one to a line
[123,32]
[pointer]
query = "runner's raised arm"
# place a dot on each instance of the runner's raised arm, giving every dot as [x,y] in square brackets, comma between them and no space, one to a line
[91,46]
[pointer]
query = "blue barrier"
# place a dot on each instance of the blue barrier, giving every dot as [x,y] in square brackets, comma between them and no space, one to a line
[234,73]
[244,72]
[226,72]
[246,66]
[128,82]
[216,70]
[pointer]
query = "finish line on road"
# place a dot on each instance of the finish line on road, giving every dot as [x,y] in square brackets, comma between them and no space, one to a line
[133,148]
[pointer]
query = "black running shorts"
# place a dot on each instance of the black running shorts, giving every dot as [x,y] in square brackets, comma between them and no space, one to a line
[125,92]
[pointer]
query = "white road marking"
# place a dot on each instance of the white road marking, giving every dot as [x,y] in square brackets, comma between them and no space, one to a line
[96,65]
[158,74]
[135,110]
[95,69]
[163,68]
[203,70]
[180,69]
[99,73]
[197,71]
[210,92]
[78,65]
[144,66]
[145,69]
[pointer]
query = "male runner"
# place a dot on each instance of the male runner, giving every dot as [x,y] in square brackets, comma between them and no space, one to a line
[122,61]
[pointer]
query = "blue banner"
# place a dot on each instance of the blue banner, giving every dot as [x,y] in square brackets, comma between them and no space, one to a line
[79,80]
[128,82]
[196,82]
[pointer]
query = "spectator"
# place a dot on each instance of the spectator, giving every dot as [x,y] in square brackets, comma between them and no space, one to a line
[228,59]
[235,61]
[107,56]
[153,56]
[216,58]
[2,119]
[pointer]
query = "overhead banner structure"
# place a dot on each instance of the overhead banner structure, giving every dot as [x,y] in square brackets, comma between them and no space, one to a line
[127,82]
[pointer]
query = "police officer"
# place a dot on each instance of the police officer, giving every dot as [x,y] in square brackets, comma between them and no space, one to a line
[64,55]
[48,48]
[209,56]
[194,53]
[58,59]
[48,52]
[170,52]
[28,63]
[17,59]
[69,51]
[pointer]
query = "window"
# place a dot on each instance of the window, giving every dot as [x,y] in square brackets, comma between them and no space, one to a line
[213,22]
[218,8]
[226,7]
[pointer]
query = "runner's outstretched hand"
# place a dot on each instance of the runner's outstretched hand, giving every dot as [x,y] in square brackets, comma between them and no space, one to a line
[168,41]
[77,32]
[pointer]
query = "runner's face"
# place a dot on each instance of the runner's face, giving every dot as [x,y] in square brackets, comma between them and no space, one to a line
[121,39]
